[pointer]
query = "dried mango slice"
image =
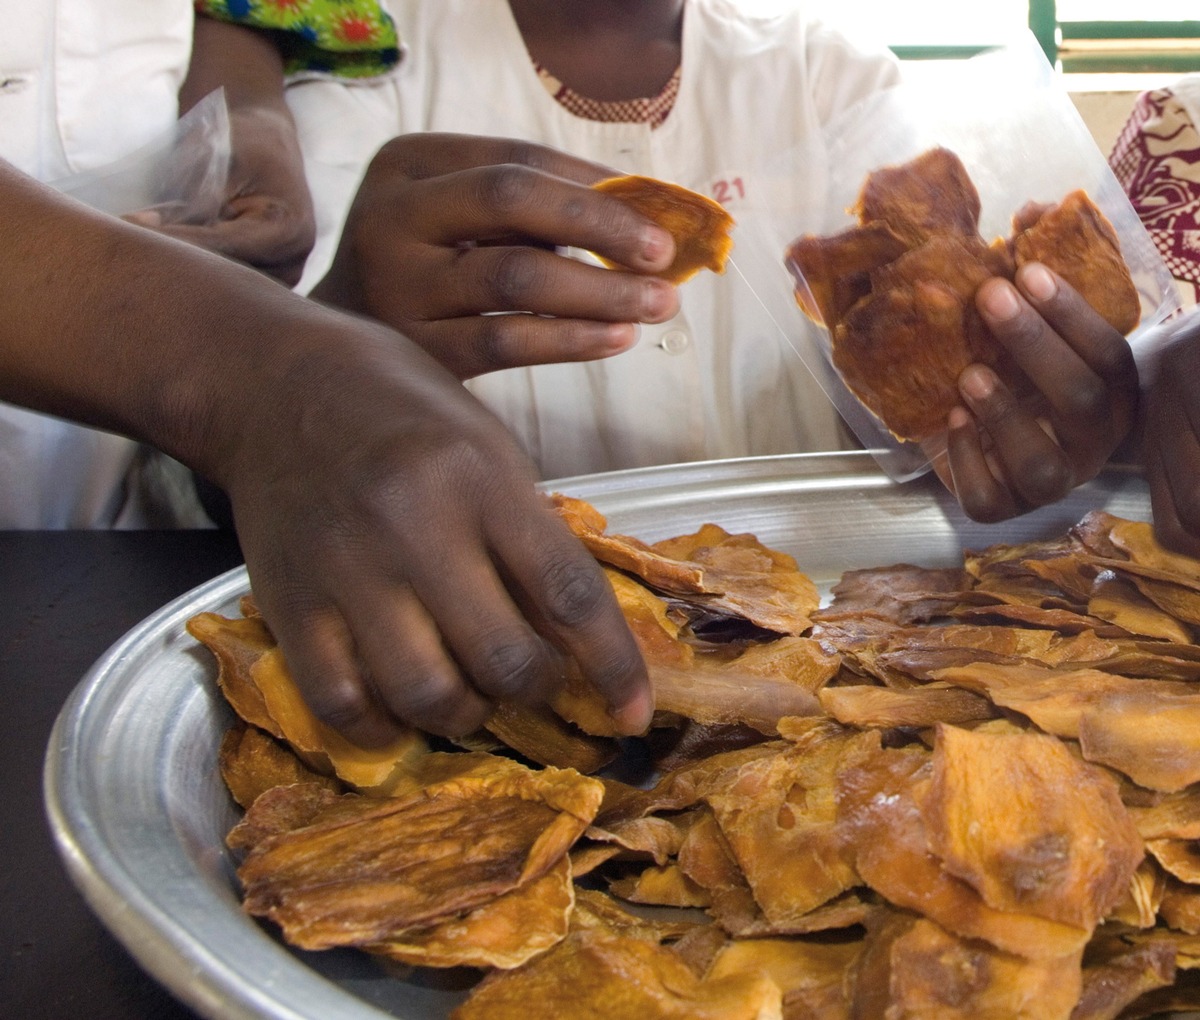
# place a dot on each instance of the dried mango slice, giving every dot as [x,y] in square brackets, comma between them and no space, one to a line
[368,870]
[596,975]
[257,683]
[699,226]
[1029,826]
[504,933]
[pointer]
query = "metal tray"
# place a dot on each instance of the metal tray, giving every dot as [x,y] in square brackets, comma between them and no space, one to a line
[139,812]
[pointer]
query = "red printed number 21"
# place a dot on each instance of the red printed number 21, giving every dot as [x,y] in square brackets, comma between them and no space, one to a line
[728,188]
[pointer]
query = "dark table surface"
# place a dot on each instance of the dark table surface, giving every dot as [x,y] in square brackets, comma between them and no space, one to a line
[65,597]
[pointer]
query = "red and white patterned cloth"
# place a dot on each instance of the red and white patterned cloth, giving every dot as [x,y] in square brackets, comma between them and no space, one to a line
[1157,160]
[652,110]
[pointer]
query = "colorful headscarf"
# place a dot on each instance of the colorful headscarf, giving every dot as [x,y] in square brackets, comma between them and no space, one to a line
[347,38]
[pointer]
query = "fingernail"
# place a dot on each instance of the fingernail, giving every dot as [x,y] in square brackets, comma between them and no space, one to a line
[657,245]
[658,301]
[620,336]
[999,300]
[958,418]
[635,716]
[1038,281]
[977,382]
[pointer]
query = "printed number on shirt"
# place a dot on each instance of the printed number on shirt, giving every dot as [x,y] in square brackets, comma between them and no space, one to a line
[728,189]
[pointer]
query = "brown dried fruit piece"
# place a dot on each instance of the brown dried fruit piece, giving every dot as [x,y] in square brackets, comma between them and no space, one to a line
[897,292]
[699,225]
[364,871]
[598,975]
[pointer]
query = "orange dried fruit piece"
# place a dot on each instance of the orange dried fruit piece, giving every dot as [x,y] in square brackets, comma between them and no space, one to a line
[880,812]
[699,225]
[503,933]
[256,681]
[928,195]
[252,762]
[362,871]
[897,292]
[1029,826]
[597,975]
[1079,244]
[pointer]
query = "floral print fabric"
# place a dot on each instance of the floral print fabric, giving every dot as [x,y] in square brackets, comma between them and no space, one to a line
[347,38]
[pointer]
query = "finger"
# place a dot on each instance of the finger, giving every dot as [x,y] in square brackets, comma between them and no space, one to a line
[501,654]
[501,201]
[409,666]
[1101,347]
[1082,367]
[982,496]
[321,656]
[525,279]
[565,589]
[1034,466]
[1173,467]
[479,344]
[432,154]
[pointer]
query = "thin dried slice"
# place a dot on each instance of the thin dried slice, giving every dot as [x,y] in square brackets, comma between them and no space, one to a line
[718,571]
[1147,729]
[1116,974]
[544,737]
[1136,540]
[252,762]
[256,681]
[1029,826]
[1079,244]
[926,196]
[1139,907]
[657,838]
[1180,906]
[1175,816]
[596,975]
[879,805]
[881,708]
[699,226]
[1178,857]
[808,971]
[282,809]
[1119,602]
[753,684]
[505,932]
[366,870]
[779,816]
[916,970]
[902,348]
[595,909]
[835,270]
[665,886]
[237,645]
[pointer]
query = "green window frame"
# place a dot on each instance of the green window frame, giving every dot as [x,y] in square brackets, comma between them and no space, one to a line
[1095,46]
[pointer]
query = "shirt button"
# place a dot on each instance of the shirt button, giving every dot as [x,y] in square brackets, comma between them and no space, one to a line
[675,341]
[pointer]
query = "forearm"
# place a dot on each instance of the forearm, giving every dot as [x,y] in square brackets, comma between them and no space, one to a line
[244,61]
[117,327]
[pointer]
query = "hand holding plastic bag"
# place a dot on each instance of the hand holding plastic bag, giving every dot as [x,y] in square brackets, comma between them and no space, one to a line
[231,183]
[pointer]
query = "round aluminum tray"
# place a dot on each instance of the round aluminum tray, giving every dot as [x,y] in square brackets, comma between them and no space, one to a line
[140,814]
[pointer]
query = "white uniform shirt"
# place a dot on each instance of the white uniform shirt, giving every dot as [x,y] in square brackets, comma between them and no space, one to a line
[718,380]
[82,84]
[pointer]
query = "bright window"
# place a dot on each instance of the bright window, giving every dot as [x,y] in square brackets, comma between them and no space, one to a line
[1081,35]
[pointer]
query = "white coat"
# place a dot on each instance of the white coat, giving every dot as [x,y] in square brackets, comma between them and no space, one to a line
[82,84]
[719,380]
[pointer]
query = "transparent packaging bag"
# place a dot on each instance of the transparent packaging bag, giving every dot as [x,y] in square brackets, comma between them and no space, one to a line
[179,177]
[1021,140]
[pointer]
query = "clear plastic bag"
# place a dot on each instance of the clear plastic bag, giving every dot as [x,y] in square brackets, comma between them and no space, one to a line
[1021,140]
[180,177]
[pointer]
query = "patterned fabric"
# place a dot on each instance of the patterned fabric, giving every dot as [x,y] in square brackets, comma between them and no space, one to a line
[346,38]
[652,111]
[1157,160]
